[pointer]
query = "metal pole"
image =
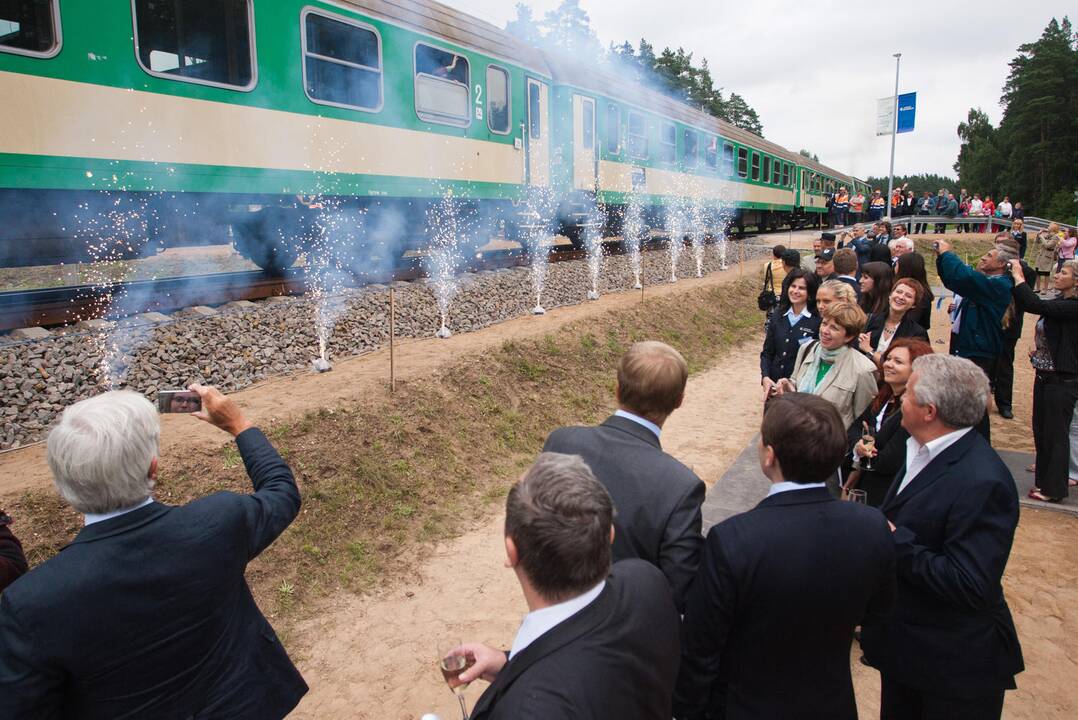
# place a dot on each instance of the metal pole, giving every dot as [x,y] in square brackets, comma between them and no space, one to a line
[894,134]
[392,343]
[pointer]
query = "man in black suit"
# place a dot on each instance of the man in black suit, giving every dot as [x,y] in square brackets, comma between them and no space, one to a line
[845,264]
[657,498]
[146,613]
[781,588]
[598,642]
[950,650]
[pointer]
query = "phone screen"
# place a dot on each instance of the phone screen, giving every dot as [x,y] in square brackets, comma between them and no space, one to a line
[178,401]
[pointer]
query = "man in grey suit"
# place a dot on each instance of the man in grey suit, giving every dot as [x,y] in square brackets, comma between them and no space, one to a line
[657,498]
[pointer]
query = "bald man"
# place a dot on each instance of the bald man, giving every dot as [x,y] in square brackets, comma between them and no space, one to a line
[656,497]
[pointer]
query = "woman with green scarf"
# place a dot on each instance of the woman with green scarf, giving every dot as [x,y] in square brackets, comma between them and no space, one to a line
[832,368]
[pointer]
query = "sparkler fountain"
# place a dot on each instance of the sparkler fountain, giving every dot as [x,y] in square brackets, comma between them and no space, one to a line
[593,241]
[699,216]
[632,232]
[445,256]
[677,220]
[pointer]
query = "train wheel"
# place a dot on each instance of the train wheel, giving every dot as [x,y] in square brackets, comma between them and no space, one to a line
[263,240]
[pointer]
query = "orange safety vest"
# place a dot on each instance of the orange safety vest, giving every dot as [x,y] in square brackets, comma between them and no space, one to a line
[877,202]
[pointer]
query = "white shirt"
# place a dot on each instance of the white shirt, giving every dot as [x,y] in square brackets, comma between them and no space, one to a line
[1004,209]
[787,486]
[541,621]
[640,421]
[918,456]
[91,518]
[975,207]
[794,319]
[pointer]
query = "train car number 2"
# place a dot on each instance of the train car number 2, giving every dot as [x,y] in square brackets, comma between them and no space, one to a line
[478,101]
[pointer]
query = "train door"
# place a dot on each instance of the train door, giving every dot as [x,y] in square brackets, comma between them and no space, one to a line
[537,133]
[585,167]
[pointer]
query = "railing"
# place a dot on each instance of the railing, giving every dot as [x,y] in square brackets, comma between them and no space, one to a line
[1033,225]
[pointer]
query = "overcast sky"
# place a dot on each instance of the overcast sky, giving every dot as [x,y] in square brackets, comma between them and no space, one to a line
[814,70]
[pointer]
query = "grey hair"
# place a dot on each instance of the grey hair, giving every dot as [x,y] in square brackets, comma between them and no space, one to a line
[1073,265]
[1005,253]
[101,450]
[902,242]
[956,386]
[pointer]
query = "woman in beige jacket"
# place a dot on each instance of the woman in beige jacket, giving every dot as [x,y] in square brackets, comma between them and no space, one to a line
[1045,248]
[833,368]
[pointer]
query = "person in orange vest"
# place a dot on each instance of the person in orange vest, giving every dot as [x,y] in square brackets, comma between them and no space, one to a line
[842,207]
[877,206]
[857,207]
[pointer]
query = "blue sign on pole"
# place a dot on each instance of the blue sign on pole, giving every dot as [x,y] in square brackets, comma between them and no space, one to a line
[907,110]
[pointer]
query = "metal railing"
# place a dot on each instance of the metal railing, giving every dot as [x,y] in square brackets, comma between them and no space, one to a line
[1033,225]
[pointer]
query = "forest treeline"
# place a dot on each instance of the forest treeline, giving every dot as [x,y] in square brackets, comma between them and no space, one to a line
[567,30]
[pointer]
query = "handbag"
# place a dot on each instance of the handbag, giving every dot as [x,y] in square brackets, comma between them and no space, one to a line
[767,299]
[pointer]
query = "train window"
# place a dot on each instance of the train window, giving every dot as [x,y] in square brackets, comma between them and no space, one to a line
[767,169]
[742,162]
[208,42]
[442,86]
[711,153]
[727,159]
[756,166]
[613,129]
[667,142]
[342,62]
[588,108]
[30,27]
[786,174]
[535,116]
[688,149]
[638,136]
[498,99]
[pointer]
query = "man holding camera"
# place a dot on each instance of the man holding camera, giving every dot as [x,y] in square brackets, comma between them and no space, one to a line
[12,559]
[146,613]
[986,294]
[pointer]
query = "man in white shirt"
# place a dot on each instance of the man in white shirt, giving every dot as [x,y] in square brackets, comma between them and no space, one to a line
[598,641]
[950,648]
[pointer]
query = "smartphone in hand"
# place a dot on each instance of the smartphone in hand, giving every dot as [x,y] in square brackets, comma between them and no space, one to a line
[178,401]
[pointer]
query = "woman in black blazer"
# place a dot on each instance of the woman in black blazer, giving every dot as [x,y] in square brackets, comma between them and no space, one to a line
[1055,390]
[898,322]
[884,419]
[793,323]
[912,265]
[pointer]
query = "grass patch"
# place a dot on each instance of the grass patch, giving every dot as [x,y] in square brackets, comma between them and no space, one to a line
[384,475]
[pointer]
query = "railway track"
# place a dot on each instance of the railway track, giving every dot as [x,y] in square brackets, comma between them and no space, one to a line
[49,307]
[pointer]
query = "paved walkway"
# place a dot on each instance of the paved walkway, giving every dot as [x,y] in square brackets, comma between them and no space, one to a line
[742,486]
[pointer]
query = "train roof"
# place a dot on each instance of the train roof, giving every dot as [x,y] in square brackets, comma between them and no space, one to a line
[461,28]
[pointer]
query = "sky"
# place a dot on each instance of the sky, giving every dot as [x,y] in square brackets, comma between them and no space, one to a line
[814,70]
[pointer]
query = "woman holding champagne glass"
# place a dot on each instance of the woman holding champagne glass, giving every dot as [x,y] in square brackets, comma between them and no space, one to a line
[877,438]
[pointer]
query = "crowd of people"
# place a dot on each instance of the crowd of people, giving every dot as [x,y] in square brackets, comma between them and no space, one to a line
[632,611]
[845,209]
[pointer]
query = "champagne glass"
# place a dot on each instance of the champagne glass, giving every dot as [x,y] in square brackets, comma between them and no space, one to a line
[858,496]
[868,438]
[452,661]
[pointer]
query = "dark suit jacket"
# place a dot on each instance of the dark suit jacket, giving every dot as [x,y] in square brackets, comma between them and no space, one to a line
[148,615]
[772,613]
[616,658]
[908,327]
[656,498]
[12,560]
[891,448]
[852,283]
[782,341]
[951,632]
[879,252]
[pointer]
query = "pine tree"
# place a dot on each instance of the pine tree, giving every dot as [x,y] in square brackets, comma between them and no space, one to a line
[980,162]
[810,155]
[739,113]
[567,29]
[524,27]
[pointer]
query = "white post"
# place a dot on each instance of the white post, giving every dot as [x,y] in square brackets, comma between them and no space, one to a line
[894,133]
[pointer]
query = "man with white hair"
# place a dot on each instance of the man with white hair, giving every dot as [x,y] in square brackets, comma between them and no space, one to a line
[899,247]
[146,612]
[950,648]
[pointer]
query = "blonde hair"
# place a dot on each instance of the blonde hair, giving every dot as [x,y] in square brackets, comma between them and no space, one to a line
[843,291]
[849,316]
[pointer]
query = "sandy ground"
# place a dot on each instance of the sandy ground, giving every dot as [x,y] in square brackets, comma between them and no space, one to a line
[464,591]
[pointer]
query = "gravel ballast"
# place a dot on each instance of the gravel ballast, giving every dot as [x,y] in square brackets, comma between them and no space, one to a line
[242,344]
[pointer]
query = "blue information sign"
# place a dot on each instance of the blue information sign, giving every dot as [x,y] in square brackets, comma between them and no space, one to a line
[907,110]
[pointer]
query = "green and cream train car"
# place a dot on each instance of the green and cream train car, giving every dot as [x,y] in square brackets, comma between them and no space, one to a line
[130,126]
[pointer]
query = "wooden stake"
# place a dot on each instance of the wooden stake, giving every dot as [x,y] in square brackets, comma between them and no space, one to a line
[392,341]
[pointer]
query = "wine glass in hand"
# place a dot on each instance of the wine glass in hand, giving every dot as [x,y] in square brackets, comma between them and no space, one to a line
[452,661]
[868,439]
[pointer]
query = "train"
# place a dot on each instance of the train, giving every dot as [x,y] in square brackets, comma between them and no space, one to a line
[134,126]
